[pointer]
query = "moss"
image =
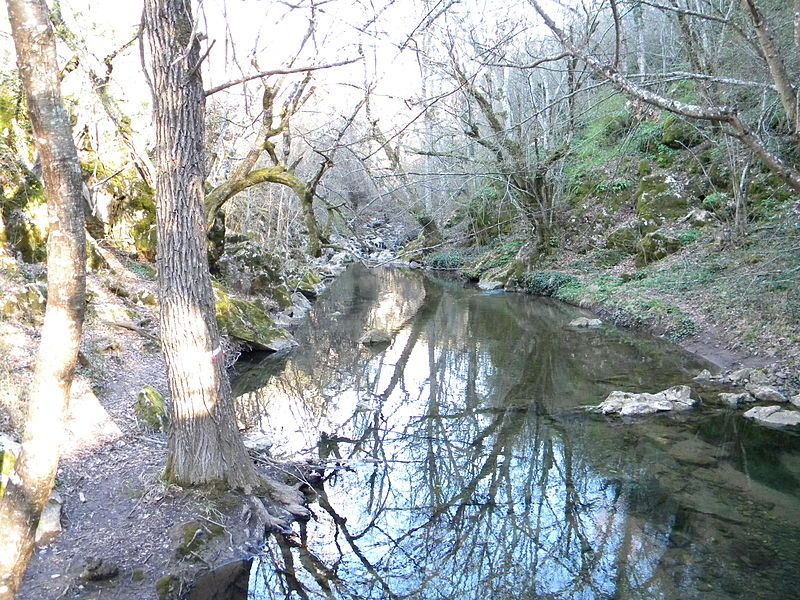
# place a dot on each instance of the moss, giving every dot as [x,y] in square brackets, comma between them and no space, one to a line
[624,239]
[657,245]
[195,535]
[678,133]
[168,587]
[657,201]
[247,322]
[8,458]
[151,409]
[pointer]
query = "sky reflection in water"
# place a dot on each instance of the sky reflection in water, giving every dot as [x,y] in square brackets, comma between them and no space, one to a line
[467,470]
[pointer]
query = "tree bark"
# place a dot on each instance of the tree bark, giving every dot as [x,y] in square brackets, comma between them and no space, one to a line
[204,442]
[777,68]
[30,486]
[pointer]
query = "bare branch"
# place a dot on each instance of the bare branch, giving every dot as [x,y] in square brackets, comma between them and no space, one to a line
[273,72]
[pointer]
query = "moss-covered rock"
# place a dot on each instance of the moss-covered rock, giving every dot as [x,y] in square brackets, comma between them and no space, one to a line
[151,409]
[309,284]
[625,238]
[249,269]
[247,322]
[657,245]
[678,133]
[658,200]
[195,535]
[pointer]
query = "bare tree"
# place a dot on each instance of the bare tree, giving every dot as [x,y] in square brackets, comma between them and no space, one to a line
[35,470]
[728,116]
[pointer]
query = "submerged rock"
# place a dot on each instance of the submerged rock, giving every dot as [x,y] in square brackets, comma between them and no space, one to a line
[774,416]
[586,323]
[375,337]
[735,400]
[626,404]
[765,393]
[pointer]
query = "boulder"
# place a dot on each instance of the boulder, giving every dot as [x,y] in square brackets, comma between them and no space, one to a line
[679,133]
[626,404]
[586,323]
[489,285]
[49,527]
[795,400]
[151,410]
[734,400]
[698,217]
[765,393]
[375,337]
[258,442]
[248,323]
[774,416]
[738,377]
[625,238]
[659,199]
[657,245]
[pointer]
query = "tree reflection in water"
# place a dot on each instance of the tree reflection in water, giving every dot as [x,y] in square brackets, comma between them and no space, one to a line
[456,463]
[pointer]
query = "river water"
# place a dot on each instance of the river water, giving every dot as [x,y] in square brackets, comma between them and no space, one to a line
[457,462]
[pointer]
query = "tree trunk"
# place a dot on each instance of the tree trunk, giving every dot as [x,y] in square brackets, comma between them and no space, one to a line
[204,442]
[30,487]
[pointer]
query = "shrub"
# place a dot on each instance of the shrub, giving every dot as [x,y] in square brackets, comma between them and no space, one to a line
[446,259]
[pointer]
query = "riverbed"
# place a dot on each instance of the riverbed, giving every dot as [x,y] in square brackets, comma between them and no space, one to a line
[458,460]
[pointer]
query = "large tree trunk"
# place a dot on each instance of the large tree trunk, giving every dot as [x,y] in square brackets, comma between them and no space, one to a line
[30,487]
[204,442]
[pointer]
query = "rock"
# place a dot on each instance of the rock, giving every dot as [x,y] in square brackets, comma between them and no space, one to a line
[98,569]
[310,285]
[625,404]
[734,400]
[586,323]
[9,451]
[375,337]
[738,377]
[301,302]
[146,297]
[679,133]
[625,238]
[248,323]
[659,199]
[258,442]
[151,410]
[49,527]
[657,245]
[249,269]
[774,416]
[698,217]
[795,400]
[765,393]
[703,376]
[489,286]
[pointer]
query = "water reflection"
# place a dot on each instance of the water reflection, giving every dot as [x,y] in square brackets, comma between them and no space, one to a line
[456,464]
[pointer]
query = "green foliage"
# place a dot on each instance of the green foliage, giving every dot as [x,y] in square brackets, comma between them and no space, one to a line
[446,259]
[689,236]
[716,202]
[547,283]
[613,186]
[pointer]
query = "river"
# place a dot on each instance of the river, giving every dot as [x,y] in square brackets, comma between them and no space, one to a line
[457,461]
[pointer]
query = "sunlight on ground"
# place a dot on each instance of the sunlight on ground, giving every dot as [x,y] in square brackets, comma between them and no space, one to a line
[88,424]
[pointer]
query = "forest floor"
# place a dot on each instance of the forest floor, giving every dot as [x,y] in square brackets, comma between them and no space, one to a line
[115,506]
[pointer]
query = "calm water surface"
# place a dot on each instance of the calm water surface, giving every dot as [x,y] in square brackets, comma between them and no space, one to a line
[457,462]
